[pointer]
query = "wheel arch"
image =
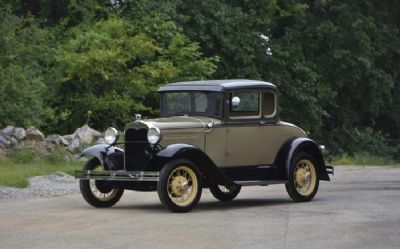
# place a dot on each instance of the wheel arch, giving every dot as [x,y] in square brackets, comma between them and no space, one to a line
[100,151]
[295,145]
[186,151]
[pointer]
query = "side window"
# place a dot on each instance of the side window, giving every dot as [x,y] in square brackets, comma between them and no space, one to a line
[244,104]
[269,104]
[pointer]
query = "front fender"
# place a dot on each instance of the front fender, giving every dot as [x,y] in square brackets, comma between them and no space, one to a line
[289,150]
[197,156]
[100,151]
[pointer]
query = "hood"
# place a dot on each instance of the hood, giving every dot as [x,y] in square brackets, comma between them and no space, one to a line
[179,122]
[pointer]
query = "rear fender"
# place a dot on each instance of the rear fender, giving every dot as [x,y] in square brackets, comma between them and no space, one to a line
[197,156]
[292,147]
[100,151]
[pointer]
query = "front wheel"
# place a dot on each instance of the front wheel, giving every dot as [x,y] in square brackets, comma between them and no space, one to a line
[180,185]
[303,178]
[96,192]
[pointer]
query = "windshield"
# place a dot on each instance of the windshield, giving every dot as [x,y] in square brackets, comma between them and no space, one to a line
[192,103]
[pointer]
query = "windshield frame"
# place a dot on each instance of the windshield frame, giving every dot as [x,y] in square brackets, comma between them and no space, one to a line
[192,113]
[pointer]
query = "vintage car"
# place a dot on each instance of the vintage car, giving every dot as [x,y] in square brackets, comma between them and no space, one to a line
[217,134]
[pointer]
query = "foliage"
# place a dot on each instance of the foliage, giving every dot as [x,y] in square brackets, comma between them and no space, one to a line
[364,159]
[336,63]
[24,55]
[111,67]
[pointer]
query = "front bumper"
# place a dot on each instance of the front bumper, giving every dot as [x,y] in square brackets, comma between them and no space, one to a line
[150,176]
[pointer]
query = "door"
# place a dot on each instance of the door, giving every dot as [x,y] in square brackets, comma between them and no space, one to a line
[243,145]
[243,132]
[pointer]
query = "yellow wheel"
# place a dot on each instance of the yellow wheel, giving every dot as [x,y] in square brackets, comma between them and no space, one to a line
[96,192]
[303,178]
[180,185]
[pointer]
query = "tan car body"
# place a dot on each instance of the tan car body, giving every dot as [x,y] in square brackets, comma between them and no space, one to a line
[227,145]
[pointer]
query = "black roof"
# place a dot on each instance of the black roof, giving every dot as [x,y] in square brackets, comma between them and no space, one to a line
[216,85]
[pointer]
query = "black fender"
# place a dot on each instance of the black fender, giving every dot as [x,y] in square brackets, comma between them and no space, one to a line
[100,151]
[295,145]
[197,156]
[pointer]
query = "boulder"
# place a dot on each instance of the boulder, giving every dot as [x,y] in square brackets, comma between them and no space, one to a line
[14,142]
[7,132]
[56,139]
[87,135]
[32,133]
[4,143]
[68,139]
[19,133]
[76,146]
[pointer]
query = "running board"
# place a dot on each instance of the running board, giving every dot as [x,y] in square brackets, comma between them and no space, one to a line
[255,183]
[117,175]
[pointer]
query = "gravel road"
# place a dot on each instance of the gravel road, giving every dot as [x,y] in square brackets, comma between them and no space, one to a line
[358,209]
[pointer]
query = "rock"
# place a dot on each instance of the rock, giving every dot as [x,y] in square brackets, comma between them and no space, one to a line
[87,134]
[100,141]
[7,132]
[56,139]
[68,139]
[4,143]
[75,147]
[63,141]
[19,133]
[14,142]
[34,134]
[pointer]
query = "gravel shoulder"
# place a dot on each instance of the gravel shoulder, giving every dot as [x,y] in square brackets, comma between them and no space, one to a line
[57,184]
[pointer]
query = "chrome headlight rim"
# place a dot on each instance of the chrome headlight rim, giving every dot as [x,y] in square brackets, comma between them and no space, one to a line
[153,135]
[111,135]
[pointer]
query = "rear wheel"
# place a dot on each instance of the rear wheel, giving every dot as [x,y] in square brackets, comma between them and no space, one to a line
[222,193]
[303,178]
[96,192]
[180,185]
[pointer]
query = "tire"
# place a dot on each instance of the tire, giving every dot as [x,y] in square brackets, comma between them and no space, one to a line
[223,194]
[180,185]
[98,193]
[303,178]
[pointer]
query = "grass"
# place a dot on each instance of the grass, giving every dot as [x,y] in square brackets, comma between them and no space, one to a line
[363,159]
[19,166]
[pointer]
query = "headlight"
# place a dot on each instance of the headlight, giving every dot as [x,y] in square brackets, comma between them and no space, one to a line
[153,135]
[111,135]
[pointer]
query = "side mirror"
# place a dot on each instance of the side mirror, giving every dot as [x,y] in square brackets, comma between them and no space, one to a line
[235,102]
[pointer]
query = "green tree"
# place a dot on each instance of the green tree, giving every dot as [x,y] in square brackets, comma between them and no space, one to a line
[111,68]
[24,59]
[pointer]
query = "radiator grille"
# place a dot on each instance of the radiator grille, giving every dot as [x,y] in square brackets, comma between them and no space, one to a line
[136,158]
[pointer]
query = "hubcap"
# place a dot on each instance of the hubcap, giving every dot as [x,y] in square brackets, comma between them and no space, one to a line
[182,186]
[101,190]
[224,189]
[305,177]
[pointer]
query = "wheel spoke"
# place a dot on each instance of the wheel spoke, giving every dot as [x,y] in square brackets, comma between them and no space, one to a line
[304,177]
[181,185]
